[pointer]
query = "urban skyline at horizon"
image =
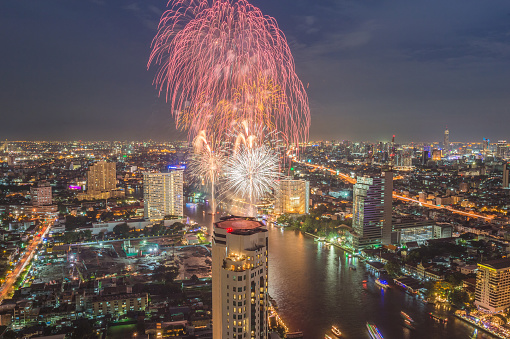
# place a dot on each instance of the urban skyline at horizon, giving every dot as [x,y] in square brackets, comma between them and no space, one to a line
[368,76]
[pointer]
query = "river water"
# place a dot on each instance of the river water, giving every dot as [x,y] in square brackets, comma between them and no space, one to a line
[316,287]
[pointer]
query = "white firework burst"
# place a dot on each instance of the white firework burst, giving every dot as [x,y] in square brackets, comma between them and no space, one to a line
[251,173]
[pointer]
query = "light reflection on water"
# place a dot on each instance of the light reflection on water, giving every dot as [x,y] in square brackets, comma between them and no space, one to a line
[316,287]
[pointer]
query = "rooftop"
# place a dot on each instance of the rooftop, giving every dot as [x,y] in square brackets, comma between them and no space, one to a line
[497,264]
[234,223]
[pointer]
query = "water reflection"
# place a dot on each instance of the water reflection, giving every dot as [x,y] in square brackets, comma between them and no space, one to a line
[317,286]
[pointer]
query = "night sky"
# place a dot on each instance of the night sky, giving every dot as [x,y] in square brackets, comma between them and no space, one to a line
[76,70]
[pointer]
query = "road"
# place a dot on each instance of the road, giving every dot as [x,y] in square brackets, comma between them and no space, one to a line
[7,286]
[397,196]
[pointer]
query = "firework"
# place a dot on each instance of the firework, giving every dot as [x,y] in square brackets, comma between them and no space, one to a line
[222,61]
[206,163]
[251,173]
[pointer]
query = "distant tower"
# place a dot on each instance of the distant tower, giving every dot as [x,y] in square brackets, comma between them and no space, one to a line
[506,176]
[446,142]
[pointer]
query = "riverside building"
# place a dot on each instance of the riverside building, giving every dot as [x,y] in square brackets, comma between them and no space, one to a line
[293,197]
[493,285]
[239,279]
[372,206]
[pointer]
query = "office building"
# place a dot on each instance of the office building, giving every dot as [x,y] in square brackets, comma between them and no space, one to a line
[293,197]
[506,176]
[372,210]
[502,148]
[239,279]
[163,194]
[436,155]
[425,157]
[101,182]
[493,286]
[41,194]
[446,142]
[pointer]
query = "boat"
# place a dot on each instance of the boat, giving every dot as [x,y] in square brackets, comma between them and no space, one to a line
[409,324]
[382,283]
[439,318]
[336,331]
[327,336]
[406,316]
[374,331]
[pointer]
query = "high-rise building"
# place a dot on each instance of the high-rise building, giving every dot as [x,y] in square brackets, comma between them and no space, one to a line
[102,177]
[493,285]
[506,176]
[502,148]
[239,279]
[101,182]
[293,197]
[163,194]
[425,157]
[41,194]
[485,146]
[372,204]
[436,155]
[446,141]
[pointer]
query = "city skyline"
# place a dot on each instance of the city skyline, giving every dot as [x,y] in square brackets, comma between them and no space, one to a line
[368,76]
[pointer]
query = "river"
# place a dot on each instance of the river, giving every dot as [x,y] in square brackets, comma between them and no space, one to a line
[316,287]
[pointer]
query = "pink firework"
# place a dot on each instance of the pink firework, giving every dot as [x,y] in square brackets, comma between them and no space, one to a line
[223,61]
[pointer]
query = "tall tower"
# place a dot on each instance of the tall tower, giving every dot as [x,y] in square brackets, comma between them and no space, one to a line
[372,205]
[163,194]
[239,279]
[446,141]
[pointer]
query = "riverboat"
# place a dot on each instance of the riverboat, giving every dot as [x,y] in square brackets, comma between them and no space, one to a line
[439,318]
[382,283]
[409,324]
[374,331]
[406,316]
[336,331]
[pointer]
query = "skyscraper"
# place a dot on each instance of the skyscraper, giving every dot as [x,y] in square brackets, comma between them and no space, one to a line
[372,205]
[446,141]
[506,176]
[239,279]
[492,292]
[163,194]
[41,194]
[293,197]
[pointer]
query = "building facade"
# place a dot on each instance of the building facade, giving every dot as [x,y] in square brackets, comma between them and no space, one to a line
[239,279]
[163,194]
[120,304]
[293,197]
[506,176]
[41,194]
[492,292]
[372,210]
[101,182]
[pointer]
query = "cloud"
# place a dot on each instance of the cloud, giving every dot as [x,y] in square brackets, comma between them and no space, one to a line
[147,14]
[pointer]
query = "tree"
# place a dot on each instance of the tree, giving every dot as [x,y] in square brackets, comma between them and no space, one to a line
[393,268]
[121,229]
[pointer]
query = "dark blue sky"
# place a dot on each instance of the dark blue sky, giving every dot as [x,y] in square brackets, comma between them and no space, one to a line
[74,69]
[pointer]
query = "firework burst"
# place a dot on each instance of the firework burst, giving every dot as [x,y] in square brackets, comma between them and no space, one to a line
[206,163]
[251,173]
[222,61]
